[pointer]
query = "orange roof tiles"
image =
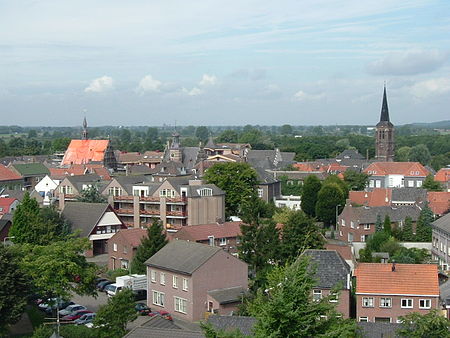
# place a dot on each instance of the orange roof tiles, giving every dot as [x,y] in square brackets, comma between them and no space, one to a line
[376,198]
[7,174]
[5,204]
[303,167]
[443,175]
[439,202]
[85,151]
[407,279]
[396,168]
[80,169]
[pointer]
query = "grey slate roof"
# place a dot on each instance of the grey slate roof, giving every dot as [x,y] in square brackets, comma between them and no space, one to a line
[409,195]
[350,154]
[368,215]
[83,216]
[142,331]
[182,256]
[442,223]
[264,177]
[269,159]
[378,330]
[160,322]
[331,268]
[230,323]
[228,295]
[192,190]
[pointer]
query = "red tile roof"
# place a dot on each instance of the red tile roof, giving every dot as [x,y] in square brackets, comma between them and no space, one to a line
[80,169]
[396,168]
[376,198]
[5,204]
[407,279]
[439,202]
[7,174]
[201,232]
[304,167]
[85,151]
[443,175]
[132,236]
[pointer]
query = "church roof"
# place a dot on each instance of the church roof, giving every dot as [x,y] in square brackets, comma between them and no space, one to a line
[85,151]
[384,109]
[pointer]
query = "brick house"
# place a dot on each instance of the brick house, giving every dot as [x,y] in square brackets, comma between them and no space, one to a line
[396,174]
[181,274]
[443,177]
[440,242]
[384,292]
[122,247]
[9,179]
[331,271]
[223,235]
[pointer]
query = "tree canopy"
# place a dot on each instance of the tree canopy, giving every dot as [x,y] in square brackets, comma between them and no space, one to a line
[91,195]
[431,185]
[430,325]
[311,188]
[329,198]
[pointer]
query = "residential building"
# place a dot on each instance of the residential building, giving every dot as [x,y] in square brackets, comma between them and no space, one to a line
[440,243]
[72,186]
[122,247]
[225,301]
[384,137]
[222,235]
[331,272]
[290,202]
[443,177]
[149,158]
[158,326]
[46,188]
[355,224]
[80,169]
[9,179]
[385,292]
[8,205]
[5,225]
[181,274]
[396,174]
[96,221]
[32,173]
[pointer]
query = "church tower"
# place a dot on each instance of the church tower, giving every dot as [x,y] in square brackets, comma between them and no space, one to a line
[384,139]
[175,150]
[84,135]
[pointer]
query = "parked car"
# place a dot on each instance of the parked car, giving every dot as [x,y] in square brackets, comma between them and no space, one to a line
[101,286]
[71,309]
[162,313]
[45,303]
[86,318]
[62,305]
[76,315]
[142,309]
[140,295]
[113,289]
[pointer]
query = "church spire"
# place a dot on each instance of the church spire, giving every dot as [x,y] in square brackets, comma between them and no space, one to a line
[84,135]
[384,108]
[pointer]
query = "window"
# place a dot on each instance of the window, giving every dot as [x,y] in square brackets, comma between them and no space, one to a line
[175,282]
[419,184]
[410,183]
[378,183]
[385,302]
[407,303]
[317,295]
[222,241]
[350,237]
[180,305]
[153,276]
[162,278]
[343,222]
[352,224]
[363,319]
[371,183]
[185,284]
[124,264]
[158,298]
[367,302]
[425,304]
[260,193]
[205,192]
[363,238]
[114,246]
[366,226]
[125,249]
[334,297]
[211,240]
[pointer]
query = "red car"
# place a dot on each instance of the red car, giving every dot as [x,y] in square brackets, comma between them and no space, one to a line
[75,315]
[162,313]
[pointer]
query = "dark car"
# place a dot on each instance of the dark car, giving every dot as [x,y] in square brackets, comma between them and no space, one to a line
[140,295]
[62,305]
[101,286]
[162,313]
[76,315]
[142,309]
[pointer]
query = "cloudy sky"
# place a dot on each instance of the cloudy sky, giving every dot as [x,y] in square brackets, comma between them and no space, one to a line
[209,62]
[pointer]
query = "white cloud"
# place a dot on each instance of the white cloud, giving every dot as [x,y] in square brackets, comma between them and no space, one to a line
[431,87]
[208,80]
[101,84]
[303,96]
[193,92]
[149,84]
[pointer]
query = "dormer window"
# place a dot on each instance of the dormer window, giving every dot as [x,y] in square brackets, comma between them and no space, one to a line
[205,192]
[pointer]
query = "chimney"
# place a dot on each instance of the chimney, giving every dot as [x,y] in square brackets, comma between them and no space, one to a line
[393,266]
[219,220]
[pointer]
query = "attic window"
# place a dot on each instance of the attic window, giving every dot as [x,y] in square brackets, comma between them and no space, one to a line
[205,192]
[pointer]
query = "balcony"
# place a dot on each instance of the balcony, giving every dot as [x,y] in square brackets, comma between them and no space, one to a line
[123,198]
[124,211]
[149,212]
[176,213]
[176,200]
[149,199]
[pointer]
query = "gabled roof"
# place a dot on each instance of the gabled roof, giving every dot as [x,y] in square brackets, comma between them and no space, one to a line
[331,268]
[368,215]
[244,324]
[228,295]
[350,153]
[201,232]
[193,190]
[443,175]
[409,195]
[7,174]
[406,279]
[439,202]
[132,236]
[5,204]
[375,198]
[30,169]
[396,168]
[442,223]
[379,329]
[84,216]
[182,256]
[85,151]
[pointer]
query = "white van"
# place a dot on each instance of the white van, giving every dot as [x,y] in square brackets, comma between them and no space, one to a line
[113,289]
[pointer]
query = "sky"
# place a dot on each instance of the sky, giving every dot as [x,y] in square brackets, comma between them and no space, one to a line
[209,62]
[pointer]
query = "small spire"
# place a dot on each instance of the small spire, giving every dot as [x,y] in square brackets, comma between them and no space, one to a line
[84,135]
[384,108]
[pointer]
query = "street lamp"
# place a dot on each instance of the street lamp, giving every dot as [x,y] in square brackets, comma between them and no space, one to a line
[337,206]
[6,238]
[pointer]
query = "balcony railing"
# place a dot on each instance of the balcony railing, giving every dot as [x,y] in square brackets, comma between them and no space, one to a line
[177,213]
[125,211]
[176,200]
[149,212]
[149,199]
[123,198]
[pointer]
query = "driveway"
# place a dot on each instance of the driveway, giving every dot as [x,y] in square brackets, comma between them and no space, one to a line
[90,302]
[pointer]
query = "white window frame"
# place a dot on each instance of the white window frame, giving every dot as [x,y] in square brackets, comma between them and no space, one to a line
[317,295]
[367,302]
[158,298]
[162,278]
[114,246]
[352,224]
[366,226]
[260,193]
[407,306]
[211,241]
[333,297]
[185,284]
[363,238]
[426,304]
[222,241]
[343,222]
[372,184]
[419,184]
[153,276]
[175,282]
[363,319]
[180,305]
[378,184]
[410,183]
[385,302]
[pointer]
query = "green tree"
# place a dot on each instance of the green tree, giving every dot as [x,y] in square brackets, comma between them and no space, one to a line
[329,197]
[431,185]
[407,234]
[112,318]
[355,180]
[60,268]
[299,233]
[238,180]
[420,153]
[55,220]
[334,179]
[286,309]
[430,325]
[311,188]
[378,224]
[228,136]
[210,332]
[286,129]
[13,289]
[151,244]
[202,133]
[402,154]
[91,195]
[423,227]
[387,227]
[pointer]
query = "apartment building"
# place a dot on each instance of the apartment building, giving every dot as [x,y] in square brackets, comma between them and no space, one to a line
[440,245]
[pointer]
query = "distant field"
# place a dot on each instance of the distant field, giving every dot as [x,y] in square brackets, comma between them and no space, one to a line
[6,136]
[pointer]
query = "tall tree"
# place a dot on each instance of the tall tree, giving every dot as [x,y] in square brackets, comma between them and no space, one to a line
[423,228]
[431,185]
[334,179]
[355,180]
[286,309]
[151,244]
[387,227]
[378,224]
[299,233]
[330,196]
[202,133]
[13,289]
[112,318]
[407,234]
[420,153]
[432,324]
[238,180]
[311,188]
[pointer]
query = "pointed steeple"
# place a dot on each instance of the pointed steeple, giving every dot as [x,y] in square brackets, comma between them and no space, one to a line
[384,108]
[84,135]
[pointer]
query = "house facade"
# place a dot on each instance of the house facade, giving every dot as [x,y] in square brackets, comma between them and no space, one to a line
[122,247]
[181,274]
[385,292]
[440,245]
[32,173]
[396,174]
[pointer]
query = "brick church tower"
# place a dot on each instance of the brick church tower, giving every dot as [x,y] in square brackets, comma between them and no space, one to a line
[384,138]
